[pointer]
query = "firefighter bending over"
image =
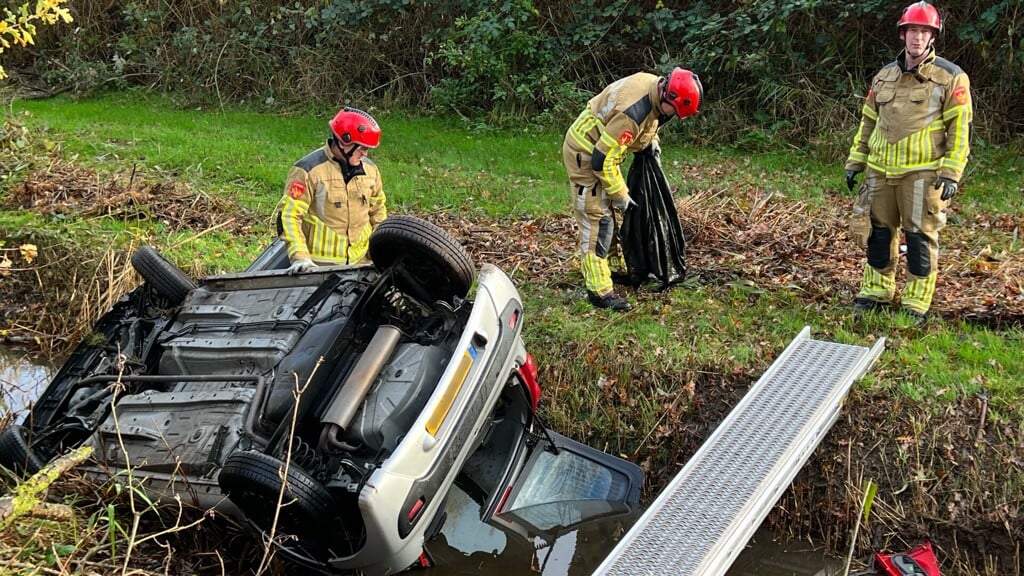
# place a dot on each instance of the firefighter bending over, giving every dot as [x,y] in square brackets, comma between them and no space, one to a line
[623,118]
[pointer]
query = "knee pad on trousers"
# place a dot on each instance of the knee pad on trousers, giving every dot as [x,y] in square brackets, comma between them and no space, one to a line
[878,247]
[605,228]
[919,260]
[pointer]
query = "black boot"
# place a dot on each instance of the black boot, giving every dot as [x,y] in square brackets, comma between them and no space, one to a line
[919,318]
[862,305]
[610,300]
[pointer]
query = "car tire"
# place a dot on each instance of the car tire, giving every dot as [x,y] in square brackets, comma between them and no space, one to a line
[422,250]
[252,481]
[15,453]
[167,278]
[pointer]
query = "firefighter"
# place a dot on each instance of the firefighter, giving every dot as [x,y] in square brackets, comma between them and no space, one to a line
[334,197]
[912,146]
[623,118]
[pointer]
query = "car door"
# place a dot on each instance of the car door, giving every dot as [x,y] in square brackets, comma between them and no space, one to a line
[559,484]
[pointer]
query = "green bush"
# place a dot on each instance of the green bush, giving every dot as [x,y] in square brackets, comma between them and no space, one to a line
[793,71]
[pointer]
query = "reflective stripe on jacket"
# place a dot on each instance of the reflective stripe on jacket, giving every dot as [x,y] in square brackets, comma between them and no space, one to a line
[623,118]
[323,217]
[915,120]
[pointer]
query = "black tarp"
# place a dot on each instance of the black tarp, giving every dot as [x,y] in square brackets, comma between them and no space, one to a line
[650,234]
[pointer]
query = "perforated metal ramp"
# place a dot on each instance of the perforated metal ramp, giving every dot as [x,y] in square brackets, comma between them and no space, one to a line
[706,515]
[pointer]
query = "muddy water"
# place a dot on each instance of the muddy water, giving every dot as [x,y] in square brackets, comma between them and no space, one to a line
[21,377]
[468,547]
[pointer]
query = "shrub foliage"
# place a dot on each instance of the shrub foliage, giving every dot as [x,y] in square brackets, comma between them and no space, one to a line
[773,69]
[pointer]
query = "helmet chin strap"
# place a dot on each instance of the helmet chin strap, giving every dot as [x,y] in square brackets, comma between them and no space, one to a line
[663,83]
[346,155]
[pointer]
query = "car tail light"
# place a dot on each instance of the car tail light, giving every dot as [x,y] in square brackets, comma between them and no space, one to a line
[415,510]
[425,561]
[528,372]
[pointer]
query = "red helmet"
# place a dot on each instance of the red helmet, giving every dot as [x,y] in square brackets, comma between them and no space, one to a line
[921,14]
[684,91]
[353,126]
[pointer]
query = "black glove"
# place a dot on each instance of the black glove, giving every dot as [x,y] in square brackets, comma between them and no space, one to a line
[851,179]
[948,185]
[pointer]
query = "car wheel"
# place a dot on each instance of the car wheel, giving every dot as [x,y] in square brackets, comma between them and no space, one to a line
[15,453]
[427,260]
[252,481]
[167,278]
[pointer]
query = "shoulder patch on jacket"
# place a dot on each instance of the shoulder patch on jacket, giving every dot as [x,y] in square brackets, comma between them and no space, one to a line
[961,95]
[626,137]
[296,190]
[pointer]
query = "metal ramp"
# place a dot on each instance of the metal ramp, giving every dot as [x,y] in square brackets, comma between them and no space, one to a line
[702,520]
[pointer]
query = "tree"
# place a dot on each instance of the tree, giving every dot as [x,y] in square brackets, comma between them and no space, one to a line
[19,28]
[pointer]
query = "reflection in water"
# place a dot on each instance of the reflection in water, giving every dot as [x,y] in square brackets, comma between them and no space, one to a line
[468,546]
[764,556]
[22,376]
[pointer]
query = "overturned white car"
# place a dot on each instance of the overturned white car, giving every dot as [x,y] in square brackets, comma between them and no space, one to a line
[355,396]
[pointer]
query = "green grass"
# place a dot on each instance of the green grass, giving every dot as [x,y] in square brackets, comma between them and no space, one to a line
[427,164]
[433,164]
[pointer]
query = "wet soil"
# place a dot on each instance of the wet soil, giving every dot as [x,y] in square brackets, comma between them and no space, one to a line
[945,473]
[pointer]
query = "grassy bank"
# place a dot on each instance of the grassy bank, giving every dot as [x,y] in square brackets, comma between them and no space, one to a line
[937,422]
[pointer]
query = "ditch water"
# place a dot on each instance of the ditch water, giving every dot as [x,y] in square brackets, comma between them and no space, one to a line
[468,547]
[21,376]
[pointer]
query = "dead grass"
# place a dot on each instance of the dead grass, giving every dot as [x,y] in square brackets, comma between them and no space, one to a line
[776,242]
[64,189]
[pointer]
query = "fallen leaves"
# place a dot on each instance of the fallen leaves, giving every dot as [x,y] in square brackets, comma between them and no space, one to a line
[64,189]
[752,240]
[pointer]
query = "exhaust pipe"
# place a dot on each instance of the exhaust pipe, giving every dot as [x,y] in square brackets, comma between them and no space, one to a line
[349,397]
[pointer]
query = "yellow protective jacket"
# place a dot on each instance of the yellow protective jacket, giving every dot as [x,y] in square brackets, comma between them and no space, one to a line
[914,120]
[325,218]
[623,118]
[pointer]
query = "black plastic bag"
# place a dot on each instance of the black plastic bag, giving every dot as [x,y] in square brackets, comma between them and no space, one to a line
[650,234]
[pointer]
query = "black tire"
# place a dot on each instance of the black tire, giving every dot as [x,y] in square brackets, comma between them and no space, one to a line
[252,481]
[424,258]
[15,453]
[167,278]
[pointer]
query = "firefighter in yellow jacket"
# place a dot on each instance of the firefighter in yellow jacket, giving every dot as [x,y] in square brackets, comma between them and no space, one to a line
[623,118]
[912,145]
[334,197]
